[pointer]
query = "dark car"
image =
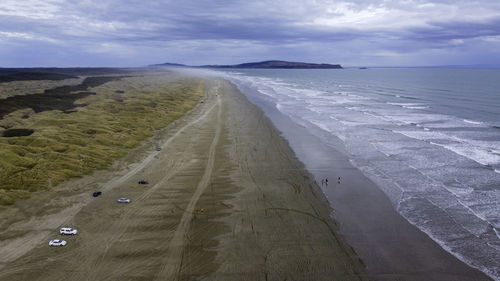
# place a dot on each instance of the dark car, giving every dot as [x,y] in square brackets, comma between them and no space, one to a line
[96,193]
[143,182]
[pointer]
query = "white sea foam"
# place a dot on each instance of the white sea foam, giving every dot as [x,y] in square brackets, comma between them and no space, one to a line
[417,107]
[474,150]
[479,155]
[411,150]
[404,104]
[472,122]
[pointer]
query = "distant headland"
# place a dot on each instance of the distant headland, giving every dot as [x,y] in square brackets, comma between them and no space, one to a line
[274,64]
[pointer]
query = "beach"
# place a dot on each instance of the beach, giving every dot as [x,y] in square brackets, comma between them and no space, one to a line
[227,199]
[250,140]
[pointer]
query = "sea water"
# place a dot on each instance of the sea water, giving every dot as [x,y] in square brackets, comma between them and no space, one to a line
[429,138]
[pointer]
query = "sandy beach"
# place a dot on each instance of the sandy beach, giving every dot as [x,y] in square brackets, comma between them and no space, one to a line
[227,199]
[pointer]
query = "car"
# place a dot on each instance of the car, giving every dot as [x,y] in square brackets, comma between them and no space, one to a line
[123,200]
[57,243]
[96,193]
[68,231]
[142,182]
[158,148]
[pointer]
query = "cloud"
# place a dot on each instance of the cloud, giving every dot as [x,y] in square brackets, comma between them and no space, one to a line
[31,9]
[213,31]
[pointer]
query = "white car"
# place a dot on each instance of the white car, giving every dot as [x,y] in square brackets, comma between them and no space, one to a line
[123,200]
[57,242]
[68,231]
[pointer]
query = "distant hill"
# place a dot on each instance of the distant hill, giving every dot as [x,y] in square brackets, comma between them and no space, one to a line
[171,64]
[279,64]
[265,64]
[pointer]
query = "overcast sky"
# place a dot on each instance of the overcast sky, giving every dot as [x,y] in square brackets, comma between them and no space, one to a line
[352,32]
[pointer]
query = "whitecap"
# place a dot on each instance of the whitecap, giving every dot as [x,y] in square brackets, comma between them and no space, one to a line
[472,122]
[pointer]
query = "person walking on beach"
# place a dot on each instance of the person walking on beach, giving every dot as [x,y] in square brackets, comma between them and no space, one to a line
[326,182]
[339,180]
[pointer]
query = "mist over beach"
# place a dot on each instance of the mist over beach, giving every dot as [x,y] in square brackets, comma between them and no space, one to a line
[250,140]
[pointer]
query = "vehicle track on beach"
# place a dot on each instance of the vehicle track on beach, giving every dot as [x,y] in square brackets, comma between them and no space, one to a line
[49,224]
[171,170]
[173,261]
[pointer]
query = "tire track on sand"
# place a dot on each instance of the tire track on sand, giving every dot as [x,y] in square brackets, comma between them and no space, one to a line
[171,264]
[18,247]
[123,224]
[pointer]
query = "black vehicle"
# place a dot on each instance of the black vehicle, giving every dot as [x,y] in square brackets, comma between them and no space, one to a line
[96,193]
[143,182]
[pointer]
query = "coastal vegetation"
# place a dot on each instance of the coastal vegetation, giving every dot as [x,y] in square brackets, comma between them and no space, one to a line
[31,76]
[30,87]
[41,148]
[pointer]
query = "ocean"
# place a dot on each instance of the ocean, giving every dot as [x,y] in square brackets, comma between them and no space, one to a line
[428,138]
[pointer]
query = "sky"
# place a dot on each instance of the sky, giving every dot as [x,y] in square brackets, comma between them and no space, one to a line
[352,33]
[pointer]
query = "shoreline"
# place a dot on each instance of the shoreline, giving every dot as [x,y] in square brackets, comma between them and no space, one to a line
[227,200]
[390,246]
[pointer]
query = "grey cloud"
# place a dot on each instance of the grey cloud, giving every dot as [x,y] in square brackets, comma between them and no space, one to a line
[443,34]
[173,29]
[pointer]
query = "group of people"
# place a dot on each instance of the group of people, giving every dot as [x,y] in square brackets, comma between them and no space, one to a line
[325,181]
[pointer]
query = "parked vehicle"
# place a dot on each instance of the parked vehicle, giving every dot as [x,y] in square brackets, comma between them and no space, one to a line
[57,243]
[158,148]
[143,182]
[68,231]
[123,200]
[96,193]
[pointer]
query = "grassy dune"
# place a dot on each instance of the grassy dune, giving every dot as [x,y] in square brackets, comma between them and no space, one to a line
[118,117]
[15,88]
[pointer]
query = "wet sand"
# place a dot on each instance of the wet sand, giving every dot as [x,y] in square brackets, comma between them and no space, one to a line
[227,200]
[389,245]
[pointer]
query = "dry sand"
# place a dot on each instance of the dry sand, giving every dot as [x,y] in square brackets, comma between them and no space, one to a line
[226,200]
